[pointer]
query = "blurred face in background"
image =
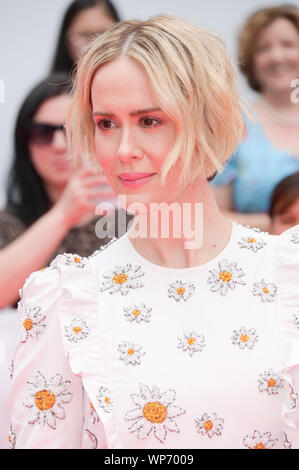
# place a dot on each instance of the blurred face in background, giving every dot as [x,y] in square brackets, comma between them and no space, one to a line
[47,142]
[287,219]
[276,58]
[88,23]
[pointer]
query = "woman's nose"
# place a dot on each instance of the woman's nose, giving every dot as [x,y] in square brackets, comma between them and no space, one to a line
[128,147]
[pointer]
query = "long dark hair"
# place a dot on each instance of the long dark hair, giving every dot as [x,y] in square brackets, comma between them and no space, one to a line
[26,195]
[284,195]
[62,61]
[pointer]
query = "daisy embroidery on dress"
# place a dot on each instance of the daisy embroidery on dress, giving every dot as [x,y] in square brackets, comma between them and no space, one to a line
[259,441]
[93,414]
[138,313]
[11,438]
[130,353]
[45,399]
[245,338]
[92,439]
[252,243]
[270,382]
[31,322]
[295,238]
[267,291]
[122,279]
[209,425]
[296,319]
[70,260]
[191,342]
[11,368]
[286,444]
[77,330]
[154,412]
[226,277]
[104,399]
[292,398]
[180,290]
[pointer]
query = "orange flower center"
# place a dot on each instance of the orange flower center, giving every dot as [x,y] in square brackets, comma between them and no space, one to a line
[77,329]
[136,312]
[260,445]
[155,412]
[27,324]
[266,290]
[77,259]
[120,278]
[208,425]
[251,240]
[44,400]
[244,338]
[180,290]
[130,351]
[225,276]
[43,269]
[91,406]
[107,400]
[191,341]
[271,383]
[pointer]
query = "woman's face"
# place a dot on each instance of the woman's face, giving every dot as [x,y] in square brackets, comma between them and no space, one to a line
[286,220]
[87,23]
[276,58]
[133,135]
[48,154]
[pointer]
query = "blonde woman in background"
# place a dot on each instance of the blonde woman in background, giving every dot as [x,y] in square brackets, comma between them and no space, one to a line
[269,58]
[173,338]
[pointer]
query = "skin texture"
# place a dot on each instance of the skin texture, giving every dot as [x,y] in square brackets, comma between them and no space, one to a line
[129,138]
[50,160]
[88,22]
[286,220]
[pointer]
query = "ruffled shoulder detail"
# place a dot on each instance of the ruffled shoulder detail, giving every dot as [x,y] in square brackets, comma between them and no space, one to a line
[288,284]
[83,336]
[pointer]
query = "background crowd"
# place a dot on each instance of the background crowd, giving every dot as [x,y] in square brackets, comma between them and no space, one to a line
[50,204]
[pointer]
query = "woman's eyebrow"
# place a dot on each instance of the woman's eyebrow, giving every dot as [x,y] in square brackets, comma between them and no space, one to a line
[133,113]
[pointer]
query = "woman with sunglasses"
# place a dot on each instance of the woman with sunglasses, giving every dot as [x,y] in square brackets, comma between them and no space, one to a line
[179,340]
[50,206]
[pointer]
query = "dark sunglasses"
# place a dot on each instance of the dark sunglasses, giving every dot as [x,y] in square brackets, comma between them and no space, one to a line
[42,133]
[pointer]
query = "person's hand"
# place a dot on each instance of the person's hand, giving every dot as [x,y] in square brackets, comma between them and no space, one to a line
[82,194]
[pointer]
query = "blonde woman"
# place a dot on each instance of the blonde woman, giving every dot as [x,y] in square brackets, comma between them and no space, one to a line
[173,337]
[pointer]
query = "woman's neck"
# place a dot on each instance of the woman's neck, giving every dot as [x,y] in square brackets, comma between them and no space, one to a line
[281,102]
[197,232]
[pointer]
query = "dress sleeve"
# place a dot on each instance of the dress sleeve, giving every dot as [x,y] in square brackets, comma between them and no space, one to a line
[229,172]
[288,282]
[46,403]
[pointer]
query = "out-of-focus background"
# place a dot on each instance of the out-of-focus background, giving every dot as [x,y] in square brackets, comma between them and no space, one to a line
[29,30]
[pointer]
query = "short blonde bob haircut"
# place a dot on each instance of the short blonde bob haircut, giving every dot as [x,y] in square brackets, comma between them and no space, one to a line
[250,31]
[192,79]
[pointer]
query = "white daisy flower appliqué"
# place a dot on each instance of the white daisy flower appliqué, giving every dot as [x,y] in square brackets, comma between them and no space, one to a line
[209,425]
[226,277]
[245,338]
[155,411]
[11,438]
[270,382]
[45,399]
[138,313]
[295,238]
[191,342]
[266,290]
[104,399]
[130,353]
[70,260]
[180,290]
[77,330]
[252,243]
[259,441]
[122,279]
[31,322]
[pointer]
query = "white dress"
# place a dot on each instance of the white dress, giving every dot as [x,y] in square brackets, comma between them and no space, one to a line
[116,352]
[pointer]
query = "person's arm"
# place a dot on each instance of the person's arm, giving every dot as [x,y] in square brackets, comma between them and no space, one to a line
[32,250]
[224,198]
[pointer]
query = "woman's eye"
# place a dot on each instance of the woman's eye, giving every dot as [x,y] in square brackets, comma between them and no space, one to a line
[150,122]
[106,125]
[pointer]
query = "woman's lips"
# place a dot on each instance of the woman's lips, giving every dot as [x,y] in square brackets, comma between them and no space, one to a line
[134,180]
